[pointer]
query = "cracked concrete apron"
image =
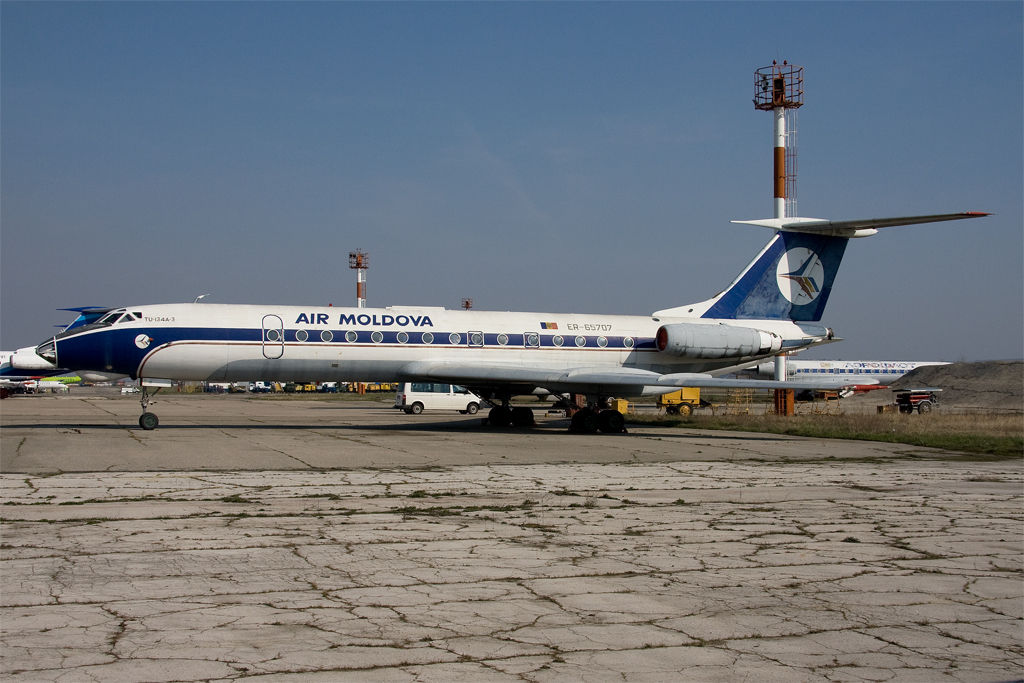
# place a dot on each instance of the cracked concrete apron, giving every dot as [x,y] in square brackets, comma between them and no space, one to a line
[699,571]
[703,557]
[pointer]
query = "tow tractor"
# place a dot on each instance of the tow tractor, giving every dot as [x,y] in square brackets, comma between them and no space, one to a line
[923,400]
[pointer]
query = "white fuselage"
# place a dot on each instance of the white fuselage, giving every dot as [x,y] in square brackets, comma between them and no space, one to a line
[225,342]
[878,371]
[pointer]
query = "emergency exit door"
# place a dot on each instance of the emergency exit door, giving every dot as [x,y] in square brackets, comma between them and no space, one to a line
[273,336]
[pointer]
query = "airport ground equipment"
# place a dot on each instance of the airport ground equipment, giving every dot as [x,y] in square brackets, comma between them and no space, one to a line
[622,405]
[681,402]
[923,400]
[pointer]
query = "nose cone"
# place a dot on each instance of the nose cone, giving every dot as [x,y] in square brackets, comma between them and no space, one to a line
[47,351]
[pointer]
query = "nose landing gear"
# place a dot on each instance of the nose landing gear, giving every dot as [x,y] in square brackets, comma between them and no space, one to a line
[147,420]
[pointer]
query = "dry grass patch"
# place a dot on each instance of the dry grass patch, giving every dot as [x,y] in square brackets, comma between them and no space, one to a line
[999,436]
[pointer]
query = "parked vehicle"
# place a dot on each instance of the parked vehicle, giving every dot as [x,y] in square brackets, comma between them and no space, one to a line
[415,397]
[922,400]
[681,402]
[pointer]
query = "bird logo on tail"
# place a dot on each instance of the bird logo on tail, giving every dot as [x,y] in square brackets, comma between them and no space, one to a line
[802,284]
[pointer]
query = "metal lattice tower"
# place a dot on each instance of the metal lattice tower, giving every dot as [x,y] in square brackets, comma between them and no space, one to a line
[779,88]
[359,261]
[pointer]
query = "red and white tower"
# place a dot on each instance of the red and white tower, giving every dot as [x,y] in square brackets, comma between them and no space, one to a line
[359,261]
[779,88]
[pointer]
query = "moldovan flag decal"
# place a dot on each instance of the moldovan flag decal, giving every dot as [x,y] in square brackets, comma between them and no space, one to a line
[549,326]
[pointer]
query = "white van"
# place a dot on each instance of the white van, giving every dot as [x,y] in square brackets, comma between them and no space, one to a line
[415,397]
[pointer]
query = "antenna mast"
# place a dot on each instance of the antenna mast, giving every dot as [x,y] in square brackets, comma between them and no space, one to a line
[780,90]
[359,261]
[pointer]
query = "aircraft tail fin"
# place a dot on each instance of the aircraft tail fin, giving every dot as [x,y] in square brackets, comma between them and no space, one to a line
[792,277]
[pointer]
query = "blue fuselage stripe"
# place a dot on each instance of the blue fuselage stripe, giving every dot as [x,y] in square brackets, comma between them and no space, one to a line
[122,354]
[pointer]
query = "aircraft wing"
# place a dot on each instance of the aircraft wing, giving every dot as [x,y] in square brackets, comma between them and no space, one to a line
[496,374]
[684,379]
[593,380]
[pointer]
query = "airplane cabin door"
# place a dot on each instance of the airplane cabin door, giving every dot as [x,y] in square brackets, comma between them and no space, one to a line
[273,336]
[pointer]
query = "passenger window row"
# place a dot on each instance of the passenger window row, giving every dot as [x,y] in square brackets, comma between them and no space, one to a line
[473,339]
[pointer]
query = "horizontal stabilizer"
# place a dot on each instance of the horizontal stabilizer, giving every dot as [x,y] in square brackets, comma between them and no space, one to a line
[86,315]
[87,309]
[854,228]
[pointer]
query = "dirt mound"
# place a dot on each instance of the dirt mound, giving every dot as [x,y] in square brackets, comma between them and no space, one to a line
[990,384]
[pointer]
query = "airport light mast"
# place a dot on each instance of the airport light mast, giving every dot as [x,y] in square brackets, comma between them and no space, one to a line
[359,261]
[779,88]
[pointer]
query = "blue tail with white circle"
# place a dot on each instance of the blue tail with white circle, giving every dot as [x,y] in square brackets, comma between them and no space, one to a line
[792,277]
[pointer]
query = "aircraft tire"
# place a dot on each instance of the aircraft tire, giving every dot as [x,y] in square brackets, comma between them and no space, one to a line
[584,422]
[499,416]
[611,422]
[148,421]
[522,417]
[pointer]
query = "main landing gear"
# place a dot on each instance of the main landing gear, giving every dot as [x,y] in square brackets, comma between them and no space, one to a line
[592,420]
[592,414]
[147,420]
[503,414]
[587,417]
[508,416]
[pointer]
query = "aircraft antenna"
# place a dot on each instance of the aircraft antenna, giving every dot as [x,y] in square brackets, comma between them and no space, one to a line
[467,304]
[779,88]
[359,261]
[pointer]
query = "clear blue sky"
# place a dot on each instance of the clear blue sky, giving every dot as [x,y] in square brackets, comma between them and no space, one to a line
[582,157]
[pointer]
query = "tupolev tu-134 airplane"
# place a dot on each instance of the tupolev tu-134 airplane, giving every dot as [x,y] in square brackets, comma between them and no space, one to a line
[774,305]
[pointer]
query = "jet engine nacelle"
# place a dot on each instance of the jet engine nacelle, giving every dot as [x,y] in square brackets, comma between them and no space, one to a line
[26,359]
[768,369]
[715,341]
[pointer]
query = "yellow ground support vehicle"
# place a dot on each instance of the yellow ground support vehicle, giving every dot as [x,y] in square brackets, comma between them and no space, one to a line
[622,405]
[680,402]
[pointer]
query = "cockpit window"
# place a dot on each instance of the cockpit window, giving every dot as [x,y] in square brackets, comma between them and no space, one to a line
[127,318]
[110,318]
[105,320]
